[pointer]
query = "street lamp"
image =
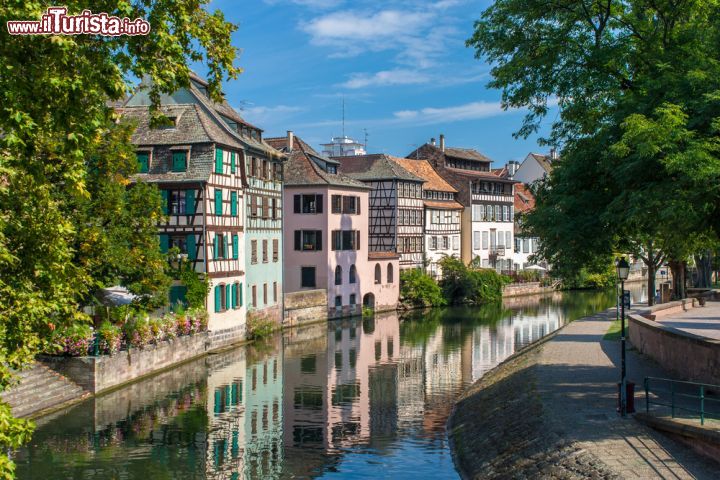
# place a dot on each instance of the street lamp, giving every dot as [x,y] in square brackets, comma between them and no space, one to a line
[623,270]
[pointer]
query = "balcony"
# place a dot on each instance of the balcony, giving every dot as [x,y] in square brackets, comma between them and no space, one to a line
[497,251]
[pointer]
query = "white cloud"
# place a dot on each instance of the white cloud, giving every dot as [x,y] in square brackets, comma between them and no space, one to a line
[385,78]
[468,111]
[263,114]
[319,4]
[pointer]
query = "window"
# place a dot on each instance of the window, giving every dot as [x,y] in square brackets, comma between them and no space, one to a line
[338,302]
[351,205]
[456,243]
[390,273]
[476,240]
[446,243]
[500,239]
[489,214]
[275,292]
[277,171]
[220,246]
[506,213]
[143,159]
[352,278]
[253,251]
[526,245]
[178,205]
[508,239]
[253,166]
[308,240]
[498,214]
[276,249]
[265,294]
[254,295]
[352,302]
[218,161]
[265,251]
[265,170]
[485,240]
[274,209]
[476,215]
[378,274]
[517,245]
[308,203]
[433,243]
[237,291]
[336,203]
[179,242]
[228,297]
[233,204]
[346,240]
[218,202]
[307,277]
[179,161]
[338,275]
[435,216]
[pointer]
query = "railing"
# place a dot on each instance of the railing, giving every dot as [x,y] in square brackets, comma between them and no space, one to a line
[685,397]
[499,251]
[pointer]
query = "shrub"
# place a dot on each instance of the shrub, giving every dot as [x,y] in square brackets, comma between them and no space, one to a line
[169,326]
[259,328]
[138,332]
[109,338]
[367,311]
[74,340]
[157,330]
[419,289]
[461,284]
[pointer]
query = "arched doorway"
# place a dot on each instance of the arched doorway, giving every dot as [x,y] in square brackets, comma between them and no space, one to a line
[369,300]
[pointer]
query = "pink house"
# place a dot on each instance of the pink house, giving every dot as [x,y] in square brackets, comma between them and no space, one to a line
[326,235]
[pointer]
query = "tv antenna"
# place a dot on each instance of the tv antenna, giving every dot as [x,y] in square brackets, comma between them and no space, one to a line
[366,137]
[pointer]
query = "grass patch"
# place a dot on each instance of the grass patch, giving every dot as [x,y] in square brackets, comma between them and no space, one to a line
[613,332]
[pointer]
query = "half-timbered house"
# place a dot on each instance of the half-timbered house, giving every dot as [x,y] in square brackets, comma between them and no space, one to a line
[396,205]
[441,220]
[487,200]
[197,161]
[326,235]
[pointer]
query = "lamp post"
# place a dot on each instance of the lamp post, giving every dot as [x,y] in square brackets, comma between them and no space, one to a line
[623,270]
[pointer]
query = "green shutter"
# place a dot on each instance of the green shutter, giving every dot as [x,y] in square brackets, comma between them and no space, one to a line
[225,249]
[233,204]
[218,202]
[179,161]
[227,296]
[177,295]
[143,162]
[190,202]
[190,242]
[218,306]
[240,294]
[235,246]
[164,243]
[164,195]
[232,162]
[218,161]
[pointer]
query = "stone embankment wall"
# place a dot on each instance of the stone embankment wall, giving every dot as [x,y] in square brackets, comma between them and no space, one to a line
[305,306]
[530,288]
[97,374]
[687,356]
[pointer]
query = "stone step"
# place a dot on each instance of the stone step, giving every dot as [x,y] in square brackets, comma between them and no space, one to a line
[40,388]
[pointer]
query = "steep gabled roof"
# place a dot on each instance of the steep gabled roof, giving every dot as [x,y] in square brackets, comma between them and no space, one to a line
[378,166]
[545,161]
[466,153]
[524,199]
[424,170]
[302,169]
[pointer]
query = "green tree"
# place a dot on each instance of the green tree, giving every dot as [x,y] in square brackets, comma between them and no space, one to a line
[54,117]
[417,288]
[637,88]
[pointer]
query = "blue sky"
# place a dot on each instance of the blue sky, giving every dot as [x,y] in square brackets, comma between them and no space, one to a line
[401,66]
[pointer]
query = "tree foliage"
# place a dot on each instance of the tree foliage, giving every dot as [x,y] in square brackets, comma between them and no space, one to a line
[419,289]
[638,89]
[462,284]
[68,225]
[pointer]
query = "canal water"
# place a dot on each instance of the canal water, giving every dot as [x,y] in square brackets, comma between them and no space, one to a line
[361,398]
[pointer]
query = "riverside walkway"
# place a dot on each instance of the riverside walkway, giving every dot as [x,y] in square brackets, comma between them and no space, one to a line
[704,322]
[550,413]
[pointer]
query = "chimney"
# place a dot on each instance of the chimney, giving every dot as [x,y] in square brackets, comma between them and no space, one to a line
[432,141]
[553,154]
[290,140]
[512,168]
[442,142]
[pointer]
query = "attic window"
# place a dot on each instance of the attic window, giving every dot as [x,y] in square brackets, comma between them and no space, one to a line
[171,122]
[331,168]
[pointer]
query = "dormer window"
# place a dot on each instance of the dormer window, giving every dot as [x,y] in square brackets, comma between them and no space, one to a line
[331,168]
[143,159]
[179,159]
[170,123]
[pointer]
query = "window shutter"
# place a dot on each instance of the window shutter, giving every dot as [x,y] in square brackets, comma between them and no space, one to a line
[298,239]
[233,204]
[336,201]
[143,163]
[296,203]
[215,247]
[218,161]
[318,234]
[357,241]
[232,162]
[218,306]
[319,202]
[190,242]
[164,194]
[218,202]
[335,240]
[164,243]
[190,202]
[235,246]
[179,161]
[240,294]
[357,205]
[228,297]
[232,295]
[225,246]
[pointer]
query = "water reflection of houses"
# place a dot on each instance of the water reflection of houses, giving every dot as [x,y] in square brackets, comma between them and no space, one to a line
[245,415]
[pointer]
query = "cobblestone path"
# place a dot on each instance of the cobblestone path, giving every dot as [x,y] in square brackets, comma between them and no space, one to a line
[550,413]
